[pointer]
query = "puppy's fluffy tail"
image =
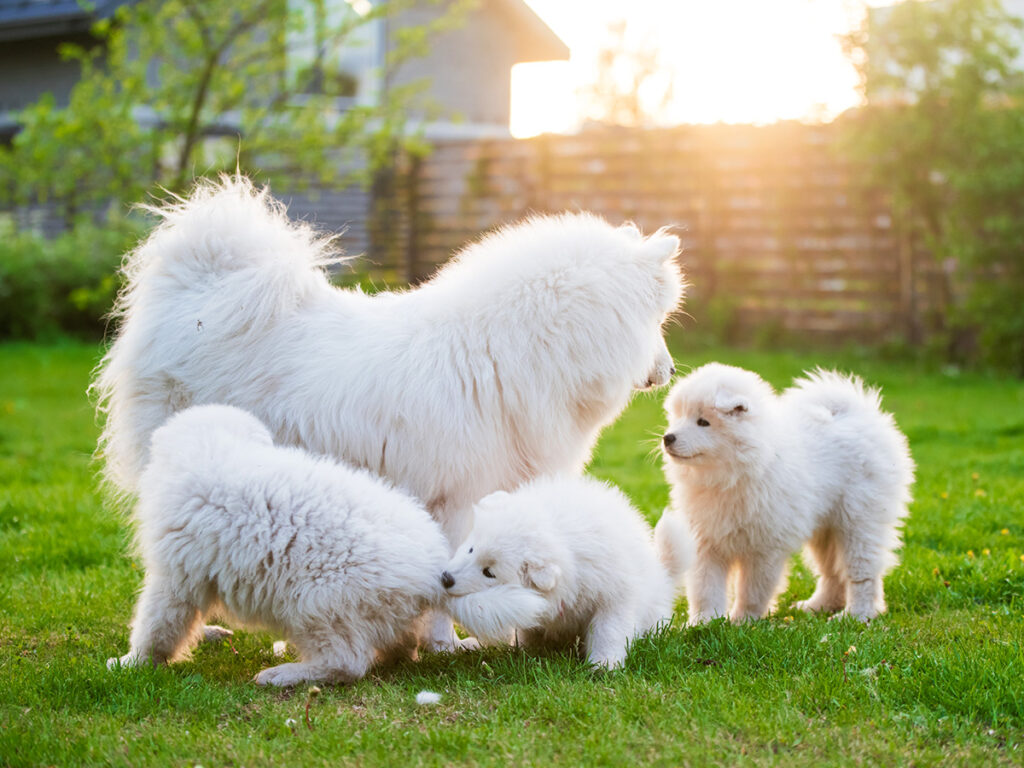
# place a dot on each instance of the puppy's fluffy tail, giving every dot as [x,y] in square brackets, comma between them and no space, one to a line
[674,545]
[493,613]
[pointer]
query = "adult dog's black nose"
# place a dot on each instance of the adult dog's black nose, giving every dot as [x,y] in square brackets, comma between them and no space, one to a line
[669,438]
[672,371]
[447,580]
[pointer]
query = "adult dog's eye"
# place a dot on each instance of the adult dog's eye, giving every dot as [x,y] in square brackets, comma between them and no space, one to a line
[703,423]
[488,574]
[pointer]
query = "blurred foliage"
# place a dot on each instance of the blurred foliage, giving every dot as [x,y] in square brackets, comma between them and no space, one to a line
[61,286]
[943,133]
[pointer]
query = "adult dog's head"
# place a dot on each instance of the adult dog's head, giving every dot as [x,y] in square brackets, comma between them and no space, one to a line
[717,418]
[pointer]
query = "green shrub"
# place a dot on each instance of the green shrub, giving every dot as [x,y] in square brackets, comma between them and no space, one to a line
[60,286]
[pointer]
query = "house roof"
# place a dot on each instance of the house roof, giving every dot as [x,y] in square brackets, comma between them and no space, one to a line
[541,42]
[26,19]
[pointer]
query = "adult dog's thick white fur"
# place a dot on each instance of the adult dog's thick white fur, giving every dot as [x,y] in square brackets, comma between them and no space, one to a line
[334,558]
[579,544]
[504,366]
[758,474]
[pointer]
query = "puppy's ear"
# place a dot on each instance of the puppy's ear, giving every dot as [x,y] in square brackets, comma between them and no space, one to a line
[541,576]
[731,404]
[660,247]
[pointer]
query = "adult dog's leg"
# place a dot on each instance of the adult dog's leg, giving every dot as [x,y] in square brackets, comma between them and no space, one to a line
[440,629]
[165,627]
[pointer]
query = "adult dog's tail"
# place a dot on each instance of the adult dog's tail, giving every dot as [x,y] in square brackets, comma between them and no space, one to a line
[674,545]
[221,267]
[493,613]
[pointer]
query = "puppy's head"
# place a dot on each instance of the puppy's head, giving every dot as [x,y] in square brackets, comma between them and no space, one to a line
[205,425]
[716,417]
[507,546]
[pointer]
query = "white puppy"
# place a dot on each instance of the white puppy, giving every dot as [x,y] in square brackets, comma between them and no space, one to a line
[333,558]
[579,544]
[503,367]
[756,475]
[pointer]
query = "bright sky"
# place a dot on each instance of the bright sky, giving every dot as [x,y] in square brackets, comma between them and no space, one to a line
[733,60]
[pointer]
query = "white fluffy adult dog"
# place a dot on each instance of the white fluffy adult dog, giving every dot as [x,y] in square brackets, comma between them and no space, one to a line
[336,559]
[579,544]
[504,366]
[758,474]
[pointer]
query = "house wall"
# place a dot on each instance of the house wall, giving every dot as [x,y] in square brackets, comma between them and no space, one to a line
[468,68]
[29,68]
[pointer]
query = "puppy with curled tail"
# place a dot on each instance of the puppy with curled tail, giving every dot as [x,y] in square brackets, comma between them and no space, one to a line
[755,475]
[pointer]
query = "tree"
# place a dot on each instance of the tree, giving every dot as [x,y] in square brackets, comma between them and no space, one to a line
[941,132]
[177,88]
[632,86]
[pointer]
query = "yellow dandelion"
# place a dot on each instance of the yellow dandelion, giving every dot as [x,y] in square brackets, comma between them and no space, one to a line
[970,553]
[935,571]
[986,551]
[980,492]
[1005,532]
[1022,558]
[787,619]
[944,495]
[975,475]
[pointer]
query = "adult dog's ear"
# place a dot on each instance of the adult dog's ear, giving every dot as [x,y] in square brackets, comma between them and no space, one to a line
[541,576]
[660,247]
[731,404]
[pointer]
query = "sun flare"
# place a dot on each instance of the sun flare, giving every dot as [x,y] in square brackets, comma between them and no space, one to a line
[736,61]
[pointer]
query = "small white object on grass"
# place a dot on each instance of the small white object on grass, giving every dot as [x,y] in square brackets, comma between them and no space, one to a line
[280,647]
[427,698]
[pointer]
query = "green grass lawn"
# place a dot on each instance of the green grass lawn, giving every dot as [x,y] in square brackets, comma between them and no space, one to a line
[940,679]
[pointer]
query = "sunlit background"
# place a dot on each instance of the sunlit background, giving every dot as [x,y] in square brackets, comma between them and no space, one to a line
[733,61]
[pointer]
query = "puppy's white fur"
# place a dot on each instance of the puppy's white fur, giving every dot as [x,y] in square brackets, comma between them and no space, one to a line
[758,474]
[334,558]
[580,545]
[504,366]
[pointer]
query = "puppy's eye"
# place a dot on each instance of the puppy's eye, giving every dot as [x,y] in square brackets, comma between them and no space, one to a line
[470,551]
[488,574]
[703,423]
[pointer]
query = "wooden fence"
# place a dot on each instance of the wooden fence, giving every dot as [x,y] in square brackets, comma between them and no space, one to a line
[778,236]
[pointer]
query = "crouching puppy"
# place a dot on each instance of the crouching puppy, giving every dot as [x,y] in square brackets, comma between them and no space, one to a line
[579,545]
[758,474]
[335,559]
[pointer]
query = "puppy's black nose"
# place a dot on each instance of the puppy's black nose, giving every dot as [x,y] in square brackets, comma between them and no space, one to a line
[447,580]
[669,438]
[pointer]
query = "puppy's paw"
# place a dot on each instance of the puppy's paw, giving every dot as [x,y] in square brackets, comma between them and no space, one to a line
[607,661]
[452,644]
[814,606]
[285,675]
[863,618]
[212,633]
[128,661]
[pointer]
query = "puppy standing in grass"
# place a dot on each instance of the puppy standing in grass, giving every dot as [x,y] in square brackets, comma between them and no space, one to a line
[581,546]
[758,474]
[335,559]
